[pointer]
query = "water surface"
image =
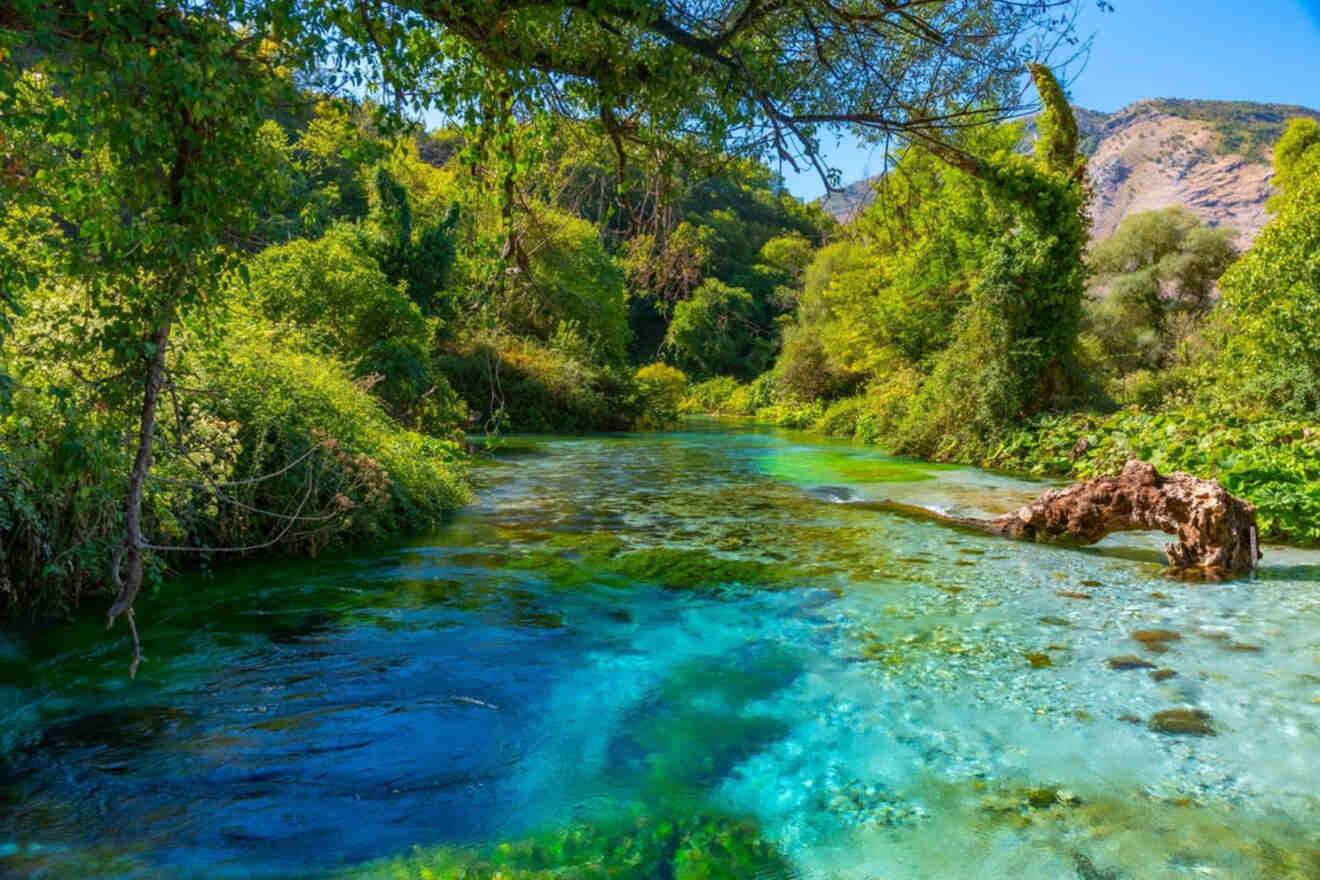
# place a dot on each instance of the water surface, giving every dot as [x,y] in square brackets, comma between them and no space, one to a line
[695,628]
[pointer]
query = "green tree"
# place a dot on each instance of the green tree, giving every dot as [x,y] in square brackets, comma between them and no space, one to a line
[719,332]
[1272,294]
[1013,351]
[149,162]
[1157,262]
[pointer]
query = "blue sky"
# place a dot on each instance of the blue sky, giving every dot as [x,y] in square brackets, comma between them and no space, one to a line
[1268,50]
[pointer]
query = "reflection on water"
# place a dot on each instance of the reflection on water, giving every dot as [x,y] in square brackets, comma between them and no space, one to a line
[699,654]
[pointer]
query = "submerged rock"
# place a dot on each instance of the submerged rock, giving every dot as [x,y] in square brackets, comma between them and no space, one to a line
[1163,674]
[1129,661]
[1039,660]
[1155,640]
[1192,722]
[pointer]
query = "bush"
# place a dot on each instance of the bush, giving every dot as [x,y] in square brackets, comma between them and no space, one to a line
[804,372]
[1272,294]
[719,331]
[332,298]
[261,408]
[662,390]
[523,385]
[382,477]
[711,396]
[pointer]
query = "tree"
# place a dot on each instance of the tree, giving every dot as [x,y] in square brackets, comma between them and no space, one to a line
[1160,261]
[719,332]
[1013,351]
[1272,294]
[145,161]
[760,76]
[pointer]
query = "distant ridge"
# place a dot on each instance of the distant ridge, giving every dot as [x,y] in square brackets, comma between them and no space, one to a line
[1211,156]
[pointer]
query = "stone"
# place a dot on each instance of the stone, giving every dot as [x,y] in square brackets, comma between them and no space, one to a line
[1163,674]
[1039,661]
[1129,661]
[1071,594]
[1191,722]
[1155,640]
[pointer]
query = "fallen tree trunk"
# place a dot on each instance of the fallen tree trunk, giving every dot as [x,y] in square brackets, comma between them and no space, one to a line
[1216,532]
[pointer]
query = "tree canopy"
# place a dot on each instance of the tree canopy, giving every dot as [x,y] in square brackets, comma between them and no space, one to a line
[763,76]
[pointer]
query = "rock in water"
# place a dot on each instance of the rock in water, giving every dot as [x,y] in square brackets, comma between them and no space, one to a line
[1195,722]
[1213,528]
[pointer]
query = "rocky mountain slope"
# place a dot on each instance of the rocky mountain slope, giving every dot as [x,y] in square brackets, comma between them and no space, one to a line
[1211,156]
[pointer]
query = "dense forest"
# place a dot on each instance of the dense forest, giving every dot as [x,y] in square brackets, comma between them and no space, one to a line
[275,315]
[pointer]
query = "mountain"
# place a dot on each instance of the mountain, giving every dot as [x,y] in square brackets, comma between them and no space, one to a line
[1211,156]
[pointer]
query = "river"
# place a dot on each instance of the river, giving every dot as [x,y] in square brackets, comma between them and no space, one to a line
[703,652]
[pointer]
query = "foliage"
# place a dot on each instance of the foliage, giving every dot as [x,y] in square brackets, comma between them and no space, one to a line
[1154,290]
[265,407]
[1272,294]
[662,390]
[805,372]
[421,260]
[569,279]
[284,402]
[1272,462]
[719,331]
[711,396]
[521,384]
[1162,261]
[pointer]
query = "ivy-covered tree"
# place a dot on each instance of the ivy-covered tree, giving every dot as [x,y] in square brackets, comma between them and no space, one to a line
[1013,351]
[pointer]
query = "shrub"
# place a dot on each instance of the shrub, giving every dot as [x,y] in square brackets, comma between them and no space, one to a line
[711,396]
[331,297]
[524,385]
[384,478]
[662,390]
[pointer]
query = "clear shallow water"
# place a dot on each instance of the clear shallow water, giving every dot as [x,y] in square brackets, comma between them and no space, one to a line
[712,622]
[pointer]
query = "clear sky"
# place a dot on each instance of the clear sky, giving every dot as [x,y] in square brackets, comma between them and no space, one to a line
[1232,50]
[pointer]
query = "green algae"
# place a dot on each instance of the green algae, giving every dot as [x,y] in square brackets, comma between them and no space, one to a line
[640,845]
[679,568]
[699,722]
[824,467]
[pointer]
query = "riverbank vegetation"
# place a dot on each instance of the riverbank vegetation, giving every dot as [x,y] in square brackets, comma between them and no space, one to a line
[246,309]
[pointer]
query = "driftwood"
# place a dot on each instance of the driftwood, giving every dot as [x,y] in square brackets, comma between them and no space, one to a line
[1216,532]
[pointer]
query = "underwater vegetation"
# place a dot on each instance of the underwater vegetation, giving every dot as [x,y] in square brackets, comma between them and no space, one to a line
[641,845]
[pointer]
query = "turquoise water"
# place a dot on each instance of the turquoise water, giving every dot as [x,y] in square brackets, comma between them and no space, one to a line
[647,629]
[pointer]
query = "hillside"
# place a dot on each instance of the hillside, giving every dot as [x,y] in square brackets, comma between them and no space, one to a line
[1212,156]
